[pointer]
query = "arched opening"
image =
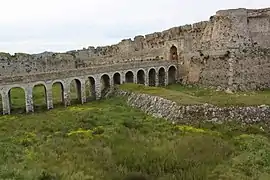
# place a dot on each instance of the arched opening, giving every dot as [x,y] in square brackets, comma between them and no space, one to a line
[1,104]
[161,76]
[173,53]
[141,77]
[90,86]
[129,77]
[152,77]
[116,78]
[75,91]
[58,94]
[17,100]
[105,85]
[39,97]
[172,75]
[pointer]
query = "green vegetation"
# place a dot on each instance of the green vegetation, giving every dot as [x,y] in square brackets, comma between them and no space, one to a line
[107,140]
[195,95]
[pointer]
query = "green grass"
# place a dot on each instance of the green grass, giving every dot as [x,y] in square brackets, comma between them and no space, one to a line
[194,95]
[107,140]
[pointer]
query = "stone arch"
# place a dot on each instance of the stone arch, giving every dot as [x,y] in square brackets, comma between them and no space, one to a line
[117,78]
[129,76]
[1,103]
[16,98]
[39,93]
[75,90]
[105,84]
[141,77]
[58,93]
[152,77]
[172,75]
[173,53]
[90,88]
[161,76]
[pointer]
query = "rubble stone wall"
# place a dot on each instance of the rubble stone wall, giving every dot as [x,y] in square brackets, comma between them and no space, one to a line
[169,110]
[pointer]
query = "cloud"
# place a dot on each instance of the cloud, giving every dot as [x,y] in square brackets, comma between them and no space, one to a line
[59,25]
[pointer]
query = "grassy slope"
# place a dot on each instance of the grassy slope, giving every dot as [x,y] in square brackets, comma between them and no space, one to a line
[105,140]
[187,96]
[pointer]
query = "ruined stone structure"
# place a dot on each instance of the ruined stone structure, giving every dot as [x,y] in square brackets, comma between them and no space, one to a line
[229,52]
[177,113]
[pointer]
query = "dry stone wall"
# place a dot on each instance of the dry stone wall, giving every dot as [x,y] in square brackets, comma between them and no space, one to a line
[163,108]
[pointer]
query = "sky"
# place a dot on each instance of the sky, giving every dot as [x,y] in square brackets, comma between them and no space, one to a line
[35,26]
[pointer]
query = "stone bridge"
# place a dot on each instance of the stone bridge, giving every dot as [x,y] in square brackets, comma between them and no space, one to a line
[100,78]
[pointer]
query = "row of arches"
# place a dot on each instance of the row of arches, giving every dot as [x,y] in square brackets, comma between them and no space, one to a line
[78,91]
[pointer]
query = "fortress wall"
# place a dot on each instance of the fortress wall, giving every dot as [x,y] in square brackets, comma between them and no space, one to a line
[251,69]
[259,27]
[242,33]
[229,50]
[155,46]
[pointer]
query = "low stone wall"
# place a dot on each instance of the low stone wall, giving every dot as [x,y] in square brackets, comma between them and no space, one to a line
[163,108]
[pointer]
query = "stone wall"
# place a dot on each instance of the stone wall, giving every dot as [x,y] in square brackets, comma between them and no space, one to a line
[163,108]
[227,51]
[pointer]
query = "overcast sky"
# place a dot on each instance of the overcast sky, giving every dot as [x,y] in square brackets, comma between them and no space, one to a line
[34,26]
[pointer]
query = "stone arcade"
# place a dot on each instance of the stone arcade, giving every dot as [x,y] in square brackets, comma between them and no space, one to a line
[231,52]
[101,79]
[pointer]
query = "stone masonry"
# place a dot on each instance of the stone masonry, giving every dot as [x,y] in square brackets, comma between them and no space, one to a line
[169,110]
[230,51]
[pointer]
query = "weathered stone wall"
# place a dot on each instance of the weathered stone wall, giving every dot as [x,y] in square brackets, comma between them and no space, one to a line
[251,69]
[208,53]
[163,108]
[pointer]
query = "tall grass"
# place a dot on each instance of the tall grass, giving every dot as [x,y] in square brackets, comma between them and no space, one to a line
[107,140]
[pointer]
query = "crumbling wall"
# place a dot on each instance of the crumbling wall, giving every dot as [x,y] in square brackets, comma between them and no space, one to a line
[208,53]
[251,69]
[259,27]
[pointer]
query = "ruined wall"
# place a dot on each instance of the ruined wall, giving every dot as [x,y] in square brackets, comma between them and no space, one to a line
[151,47]
[251,69]
[169,110]
[219,52]
[234,51]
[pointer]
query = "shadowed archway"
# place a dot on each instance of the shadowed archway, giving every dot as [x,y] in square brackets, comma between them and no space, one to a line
[58,94]
[75,91]
[17,100]
[105,85]
[1,104]
[161,77]
[39,97]
[173,53]
[90,87]
[152,77]
[129,77]
[172,75]
[141,77]
[116,79]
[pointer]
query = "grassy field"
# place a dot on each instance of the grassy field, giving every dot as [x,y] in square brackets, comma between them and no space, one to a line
[107,140]
[194,95]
